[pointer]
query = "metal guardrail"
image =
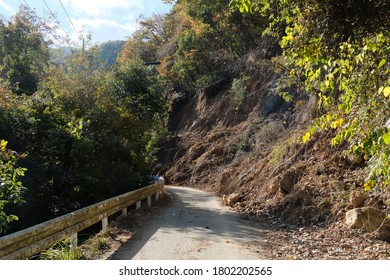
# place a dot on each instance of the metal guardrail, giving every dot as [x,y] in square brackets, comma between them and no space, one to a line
[30,241]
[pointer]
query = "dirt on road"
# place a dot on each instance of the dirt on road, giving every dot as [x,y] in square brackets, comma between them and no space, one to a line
[194,225]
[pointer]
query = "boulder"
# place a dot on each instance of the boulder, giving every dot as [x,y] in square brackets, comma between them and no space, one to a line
[287,181]
[384,231]
[231,199]
[368,218]
[272,103]
[273,187]
[357,199]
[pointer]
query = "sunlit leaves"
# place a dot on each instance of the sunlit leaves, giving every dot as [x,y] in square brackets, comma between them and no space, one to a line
[369,185]
[306,137]
[386,138]
[245,6]
[336,124]
[381,63]
[386,91]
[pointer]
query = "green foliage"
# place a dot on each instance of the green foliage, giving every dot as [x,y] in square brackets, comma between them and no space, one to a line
[11,189]
[239,89]
[242,5]
[90,133]
[24,51]
[190,42]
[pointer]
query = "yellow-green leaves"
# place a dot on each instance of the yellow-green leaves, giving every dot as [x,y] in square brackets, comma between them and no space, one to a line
[386,91]
[369,185]
[386,138]
[381,63]
[306,137]
[336,124]
[245,6]
[3,145]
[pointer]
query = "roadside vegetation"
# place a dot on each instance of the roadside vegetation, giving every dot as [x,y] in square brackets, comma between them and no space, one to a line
[72,131]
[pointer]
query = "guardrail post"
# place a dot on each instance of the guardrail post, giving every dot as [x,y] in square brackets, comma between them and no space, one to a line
[73,241]
[124,212]
[104,223]
[149,200]
[138,205]
[156,196]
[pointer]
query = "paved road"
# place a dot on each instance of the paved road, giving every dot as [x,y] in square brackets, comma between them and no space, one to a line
[193,226]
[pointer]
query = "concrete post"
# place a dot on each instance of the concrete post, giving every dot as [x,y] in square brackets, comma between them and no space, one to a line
[104,223]
[73,241]
[149,201]
[156,196]
[138,205]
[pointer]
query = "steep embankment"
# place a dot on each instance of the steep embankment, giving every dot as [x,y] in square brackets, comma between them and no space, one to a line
[240,137]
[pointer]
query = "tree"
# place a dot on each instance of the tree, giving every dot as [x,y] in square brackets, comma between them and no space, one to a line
[24,51]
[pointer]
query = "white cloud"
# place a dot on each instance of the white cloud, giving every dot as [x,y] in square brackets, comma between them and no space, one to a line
[100,27]
[100,7]
[5,6]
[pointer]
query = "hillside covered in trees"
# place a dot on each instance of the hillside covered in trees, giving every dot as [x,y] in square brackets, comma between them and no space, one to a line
[285,103]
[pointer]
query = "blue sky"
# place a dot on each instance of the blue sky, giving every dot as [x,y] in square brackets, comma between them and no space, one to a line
[104,19]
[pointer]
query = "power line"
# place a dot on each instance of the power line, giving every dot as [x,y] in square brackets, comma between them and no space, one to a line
[25,3]
[39,19]
[55,18]
[70,19]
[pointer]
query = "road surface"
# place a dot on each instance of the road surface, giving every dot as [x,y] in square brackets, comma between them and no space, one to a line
[194,226]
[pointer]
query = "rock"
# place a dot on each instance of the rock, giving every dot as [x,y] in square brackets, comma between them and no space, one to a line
[357,199]
[227,175]
[272,104]
[273,187]
[368,218]
[346,246]
[231,199]
[384,231]
[287,181]
[355,161]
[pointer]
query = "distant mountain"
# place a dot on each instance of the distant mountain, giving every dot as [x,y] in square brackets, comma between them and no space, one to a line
[108,51]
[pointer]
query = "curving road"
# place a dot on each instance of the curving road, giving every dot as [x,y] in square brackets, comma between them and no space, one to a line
[193,226]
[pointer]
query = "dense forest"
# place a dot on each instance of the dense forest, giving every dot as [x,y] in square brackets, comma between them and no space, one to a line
[75,132]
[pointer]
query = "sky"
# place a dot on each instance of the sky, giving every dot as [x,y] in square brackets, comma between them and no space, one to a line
[104,19]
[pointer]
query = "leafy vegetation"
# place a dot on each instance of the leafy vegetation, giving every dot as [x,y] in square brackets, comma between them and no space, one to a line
[88,133]
[11,189]
[196,43]
[24,51]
